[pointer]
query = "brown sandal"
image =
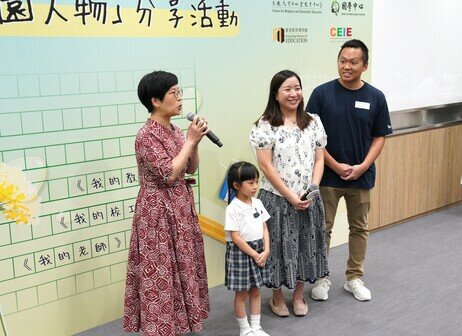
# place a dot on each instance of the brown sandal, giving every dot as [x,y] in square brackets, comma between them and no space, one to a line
[279,311]
[300,310]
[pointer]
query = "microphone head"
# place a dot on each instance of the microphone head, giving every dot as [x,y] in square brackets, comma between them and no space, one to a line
[190,116]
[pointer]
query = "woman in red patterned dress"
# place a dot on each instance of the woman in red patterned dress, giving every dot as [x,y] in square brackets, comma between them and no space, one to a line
[166,289]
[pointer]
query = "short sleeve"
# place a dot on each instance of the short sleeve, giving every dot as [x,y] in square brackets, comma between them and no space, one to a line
[314,105]
[231,219]
[382,124]
[319,132]
[155,150]
[262,136]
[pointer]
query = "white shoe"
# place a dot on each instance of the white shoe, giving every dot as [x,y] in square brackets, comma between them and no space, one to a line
[247,332]
[258,331]
[357,288]
[321,289]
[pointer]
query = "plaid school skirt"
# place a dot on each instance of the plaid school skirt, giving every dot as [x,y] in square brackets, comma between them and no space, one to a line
[242,272]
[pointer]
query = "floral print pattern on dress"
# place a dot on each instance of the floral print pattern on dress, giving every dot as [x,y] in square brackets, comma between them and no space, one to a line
[293,151]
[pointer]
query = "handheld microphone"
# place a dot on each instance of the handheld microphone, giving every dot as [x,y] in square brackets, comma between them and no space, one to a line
[209,134]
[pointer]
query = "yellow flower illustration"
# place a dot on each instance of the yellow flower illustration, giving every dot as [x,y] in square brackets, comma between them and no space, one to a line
[18,199]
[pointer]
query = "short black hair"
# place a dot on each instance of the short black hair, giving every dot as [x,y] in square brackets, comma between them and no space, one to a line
[356,44]
[155,85]
[239,172]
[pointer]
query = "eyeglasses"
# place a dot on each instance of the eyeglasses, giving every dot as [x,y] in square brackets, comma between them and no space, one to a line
[178,93]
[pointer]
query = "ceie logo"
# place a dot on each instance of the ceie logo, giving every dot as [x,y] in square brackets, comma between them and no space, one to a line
[341,32]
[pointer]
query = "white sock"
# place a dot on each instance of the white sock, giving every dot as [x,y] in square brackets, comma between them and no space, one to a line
[243,323]
[255,321]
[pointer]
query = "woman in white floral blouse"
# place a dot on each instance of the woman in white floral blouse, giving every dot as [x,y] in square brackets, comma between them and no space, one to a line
[288,144]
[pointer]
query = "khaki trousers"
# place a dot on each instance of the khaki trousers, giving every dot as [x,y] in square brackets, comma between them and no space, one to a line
[358,205]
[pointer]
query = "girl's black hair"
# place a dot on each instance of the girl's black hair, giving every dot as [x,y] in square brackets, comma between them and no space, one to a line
[239,172]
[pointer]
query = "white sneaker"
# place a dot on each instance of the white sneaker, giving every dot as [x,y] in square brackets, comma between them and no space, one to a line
[357,288]
[321,289]
[258,331]
[247,332]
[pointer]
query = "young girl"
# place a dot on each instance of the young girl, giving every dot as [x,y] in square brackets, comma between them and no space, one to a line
[247,246]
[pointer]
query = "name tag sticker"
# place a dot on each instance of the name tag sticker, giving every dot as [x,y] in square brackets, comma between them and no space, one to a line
[362,105]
